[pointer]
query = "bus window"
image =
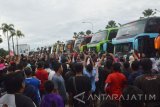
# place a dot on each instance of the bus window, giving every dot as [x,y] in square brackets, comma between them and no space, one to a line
[86,40]
[131,29]
[153,26]
[99,36]
[112,34]
[123,48]
[146,46]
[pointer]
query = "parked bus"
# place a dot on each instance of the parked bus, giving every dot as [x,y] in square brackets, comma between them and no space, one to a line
[69,45]
[77,44]
[86,40]
[138,35]
[101,41]
[81,43]
[58,48]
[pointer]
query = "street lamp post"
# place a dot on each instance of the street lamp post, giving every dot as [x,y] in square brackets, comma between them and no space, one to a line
[91,25]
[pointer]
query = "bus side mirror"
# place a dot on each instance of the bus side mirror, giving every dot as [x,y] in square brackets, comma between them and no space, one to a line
[105,47]
[136,44]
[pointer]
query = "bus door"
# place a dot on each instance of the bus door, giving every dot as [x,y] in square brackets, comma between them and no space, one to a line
[105,47]
[146,46]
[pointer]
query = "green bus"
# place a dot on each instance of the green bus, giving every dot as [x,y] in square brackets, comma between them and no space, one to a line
[69,46]
[81,43]
[86,40]
[101,41]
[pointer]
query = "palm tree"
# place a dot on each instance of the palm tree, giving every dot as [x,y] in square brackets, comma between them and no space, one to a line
[88,32]
[13,33]
[75,35]
[6,30]
[18,35]
[111,24]
[100,30]
[58,41]
[1,39]
[148,13]
[81,33]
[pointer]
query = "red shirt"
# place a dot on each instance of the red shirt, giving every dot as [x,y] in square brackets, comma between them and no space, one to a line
[116,82]
[42,75]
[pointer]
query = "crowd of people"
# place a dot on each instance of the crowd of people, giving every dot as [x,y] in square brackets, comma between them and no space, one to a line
[79,80]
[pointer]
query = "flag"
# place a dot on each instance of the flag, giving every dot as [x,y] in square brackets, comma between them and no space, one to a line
[11,53]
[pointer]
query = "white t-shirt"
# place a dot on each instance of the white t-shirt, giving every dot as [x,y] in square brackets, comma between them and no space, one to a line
[16,100]
[8,99]
[51,74]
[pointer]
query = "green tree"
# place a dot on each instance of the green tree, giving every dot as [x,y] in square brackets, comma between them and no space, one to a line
[88,32]
[58,42]
[111,24]
[38,49]
[100,30]
[75,35]
[3,52]
[81,33]
[19,34]
[7,29]
[148,13]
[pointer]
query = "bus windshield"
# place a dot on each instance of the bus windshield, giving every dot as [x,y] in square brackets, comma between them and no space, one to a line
[131,29]
[153,26]
[112,34]
[69,42]
[86,40]
[78,41]
[123,48]
[97,37]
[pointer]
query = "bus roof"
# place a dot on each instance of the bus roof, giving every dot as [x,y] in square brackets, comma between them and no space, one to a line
[89,36]
[141,20]
[109,29]
[85,36]
[69,40]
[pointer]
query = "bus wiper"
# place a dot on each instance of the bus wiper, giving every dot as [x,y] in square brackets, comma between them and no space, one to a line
[125,34]
[95,41]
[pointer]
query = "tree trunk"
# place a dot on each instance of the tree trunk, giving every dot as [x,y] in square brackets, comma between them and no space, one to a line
[17,46]
[8,43]
[13,44]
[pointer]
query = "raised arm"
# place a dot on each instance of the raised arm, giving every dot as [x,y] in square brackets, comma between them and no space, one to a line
[101,60]
[85,60]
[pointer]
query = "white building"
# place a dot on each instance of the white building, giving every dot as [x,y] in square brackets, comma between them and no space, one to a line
[23,49]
